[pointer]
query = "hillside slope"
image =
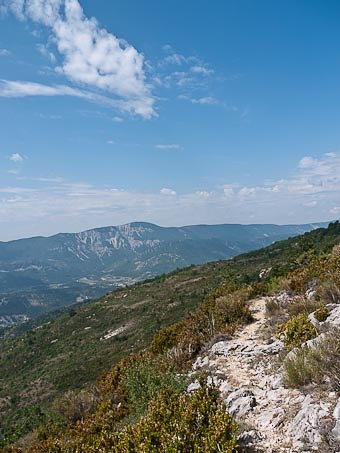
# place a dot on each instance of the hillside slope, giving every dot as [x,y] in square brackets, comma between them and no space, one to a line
[72,350]
[45,273]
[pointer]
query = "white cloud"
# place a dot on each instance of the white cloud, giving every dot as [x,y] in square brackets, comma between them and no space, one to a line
[167,191]
[309,194]
[110,142]
[50,117]
[189,74]
[167,48]
[9,89]
[174,59]
[228,191]
[167,146]
[307,162]
[4,52]
[203,193]
[43,49]
[310,204]
[92,56]
[184,81]
[247,192]
[16,157]
[117,119]
[201,70]
[50,180]
[13,171]
[14,89]
[208,100]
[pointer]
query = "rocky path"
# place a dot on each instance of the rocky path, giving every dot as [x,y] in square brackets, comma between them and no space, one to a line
[274,419]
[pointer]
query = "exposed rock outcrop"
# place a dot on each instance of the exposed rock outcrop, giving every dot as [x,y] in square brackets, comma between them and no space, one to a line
[275,419]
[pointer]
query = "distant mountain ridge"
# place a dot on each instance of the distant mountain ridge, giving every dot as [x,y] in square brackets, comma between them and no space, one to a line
[41,273]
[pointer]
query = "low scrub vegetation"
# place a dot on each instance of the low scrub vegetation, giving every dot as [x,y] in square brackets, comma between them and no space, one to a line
[220,313]
[317,364]
[139,405]
[73,406]
[178,422]
[296,331]
[321,314]
[303,305]
[145,379]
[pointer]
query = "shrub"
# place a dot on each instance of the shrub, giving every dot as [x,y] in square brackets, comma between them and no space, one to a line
[321,314]
[296,331]
[125,392]
[166,338]
[320,363]
[146,379]
[72,406]
[326,271]
[336,250]
[273,308]
[299,279]
[302,305]
[185,423]
[219,314]
[329,293]
[14,427]
[300,369]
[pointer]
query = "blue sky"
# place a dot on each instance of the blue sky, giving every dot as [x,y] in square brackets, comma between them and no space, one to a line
[170,112]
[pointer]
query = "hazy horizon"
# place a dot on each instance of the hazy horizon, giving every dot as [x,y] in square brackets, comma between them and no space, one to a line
[164,226]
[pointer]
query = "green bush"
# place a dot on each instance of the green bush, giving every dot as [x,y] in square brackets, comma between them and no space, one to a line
[14,427]
[302,305]
[300,370]
[320,363]
[321,314]
[73,406]
[329,293]
[296,331]
[145,379]
[181,423]
[166,338]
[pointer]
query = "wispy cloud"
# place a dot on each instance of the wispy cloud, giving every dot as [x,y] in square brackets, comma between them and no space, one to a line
[91,56]
[4,52]
[15,89]
[167,146]
[167,191]
[208,100]
[10,88]
[44,50]
[202,70]
[311,193]
[16,157]
[174,59]
[190,76]
[205,100]
[335,210]
[49,180]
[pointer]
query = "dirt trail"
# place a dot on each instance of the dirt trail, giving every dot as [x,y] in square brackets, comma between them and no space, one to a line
[277,419]
[238,371]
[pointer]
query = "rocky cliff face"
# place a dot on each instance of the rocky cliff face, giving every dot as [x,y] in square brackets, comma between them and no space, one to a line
[273,418]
